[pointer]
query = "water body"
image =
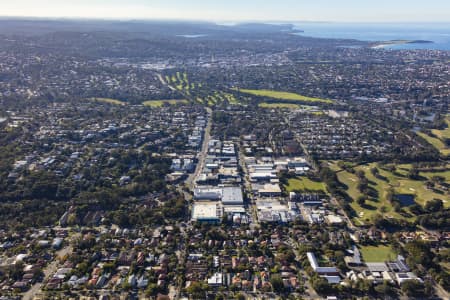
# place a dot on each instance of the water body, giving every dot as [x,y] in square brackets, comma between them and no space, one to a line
[438,33]
[405,199]
[192,36]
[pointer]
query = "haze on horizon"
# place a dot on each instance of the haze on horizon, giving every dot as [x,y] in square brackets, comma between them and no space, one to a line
[235,10]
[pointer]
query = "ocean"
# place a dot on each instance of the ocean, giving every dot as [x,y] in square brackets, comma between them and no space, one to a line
[438,33]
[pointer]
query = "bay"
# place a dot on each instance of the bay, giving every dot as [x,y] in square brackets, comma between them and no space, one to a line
[438,33]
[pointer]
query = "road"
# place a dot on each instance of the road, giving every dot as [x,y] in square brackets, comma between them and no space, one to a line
[344,213]
[248,189]
[315,167]
[308,287]
[190,181]
[50,269]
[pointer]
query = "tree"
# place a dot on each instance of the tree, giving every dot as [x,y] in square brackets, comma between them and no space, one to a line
[219,296]
[286,255]
[197,290]
[38,274]
[413,288]
[240,296]
[413,173]
[363,285]
[360,174]
[374,171]
[434,205]
[16,270]
[438,179]
[277,284]
[416,209]
[385,289]
[152,290]
[361,200]
[321,285]
[419,254]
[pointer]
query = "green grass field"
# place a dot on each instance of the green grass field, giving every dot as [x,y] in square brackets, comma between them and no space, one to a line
[437,143]
[305,184]
[445,133]
[445,174]
[159,103]
[279,105]
[108,100]
[230,98]
[194,92]
[180,82]
[283,96]
[396,180]
[377,253]
[219,97]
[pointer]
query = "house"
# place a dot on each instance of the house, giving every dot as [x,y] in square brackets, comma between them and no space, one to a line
[21,285]
[57,242]
[124,180]
[215,280]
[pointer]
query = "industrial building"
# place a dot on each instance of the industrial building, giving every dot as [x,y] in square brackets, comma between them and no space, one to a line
[210,212]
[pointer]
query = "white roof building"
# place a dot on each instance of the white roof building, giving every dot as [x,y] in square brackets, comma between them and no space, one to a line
[228,195]
[315,265]
[402,277]
[207,212]
[215,280]
[207,194]
[232,196]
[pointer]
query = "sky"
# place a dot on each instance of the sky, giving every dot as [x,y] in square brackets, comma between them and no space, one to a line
[236,10]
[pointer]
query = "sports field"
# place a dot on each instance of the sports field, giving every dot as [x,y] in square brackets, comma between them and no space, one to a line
[279,105]
[159,103]
[108,100]
[305,184]
[377,253]
[283,95]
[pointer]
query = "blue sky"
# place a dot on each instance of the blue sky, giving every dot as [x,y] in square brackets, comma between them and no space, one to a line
[237,10]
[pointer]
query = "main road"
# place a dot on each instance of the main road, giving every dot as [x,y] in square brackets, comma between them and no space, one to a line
[190,181]
[51,268]
[248,189]
[190,184]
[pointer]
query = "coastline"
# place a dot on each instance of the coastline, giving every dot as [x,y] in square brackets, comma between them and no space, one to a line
[384,44]
[380,34]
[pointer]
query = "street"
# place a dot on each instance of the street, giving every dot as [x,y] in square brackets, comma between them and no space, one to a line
[50,269]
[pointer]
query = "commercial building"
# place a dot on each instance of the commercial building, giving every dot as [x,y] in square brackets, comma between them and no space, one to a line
[228,195]
[207,212]
[204,193]
[232,196]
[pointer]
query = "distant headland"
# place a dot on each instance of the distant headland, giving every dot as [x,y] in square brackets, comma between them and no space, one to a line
[382,44]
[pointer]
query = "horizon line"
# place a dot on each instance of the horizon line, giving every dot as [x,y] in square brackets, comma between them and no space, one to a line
[218,22]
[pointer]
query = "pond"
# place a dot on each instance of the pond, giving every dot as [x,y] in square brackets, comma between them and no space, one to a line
[405,199]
